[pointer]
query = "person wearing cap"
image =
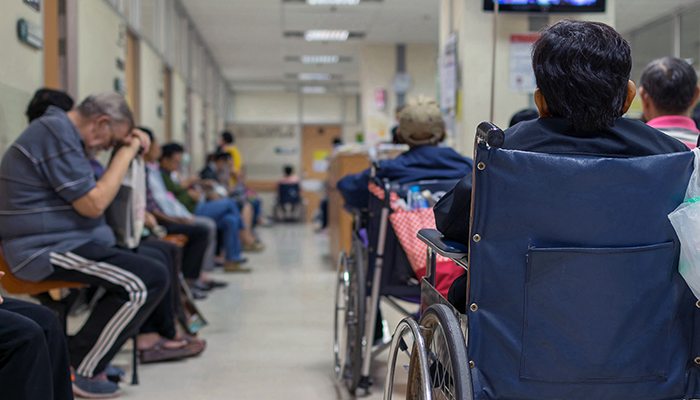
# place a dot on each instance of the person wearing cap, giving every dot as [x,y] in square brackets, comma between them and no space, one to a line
[422,128]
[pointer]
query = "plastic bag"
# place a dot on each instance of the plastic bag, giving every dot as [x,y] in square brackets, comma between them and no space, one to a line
[686,222]
[127,212]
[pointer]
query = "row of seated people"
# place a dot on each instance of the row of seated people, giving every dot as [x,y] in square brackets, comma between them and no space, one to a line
[584,89]
[53,228]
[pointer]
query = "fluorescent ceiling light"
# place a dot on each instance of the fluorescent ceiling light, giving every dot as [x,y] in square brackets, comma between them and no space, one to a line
[324,35]
[313,89]
[313,76]
[333,2]
[320,59]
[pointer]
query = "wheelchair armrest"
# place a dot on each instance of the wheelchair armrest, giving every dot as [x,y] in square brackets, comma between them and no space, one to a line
[446,248]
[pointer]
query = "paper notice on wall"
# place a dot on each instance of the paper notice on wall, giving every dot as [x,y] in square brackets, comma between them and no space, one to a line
[320,164]
[448,74]
[522,77]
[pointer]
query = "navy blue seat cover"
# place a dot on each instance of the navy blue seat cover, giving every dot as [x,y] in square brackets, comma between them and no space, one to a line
[574,287]
[289,193]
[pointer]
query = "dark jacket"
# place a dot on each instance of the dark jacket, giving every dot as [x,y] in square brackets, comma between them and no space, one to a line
[627,138]
[419,163]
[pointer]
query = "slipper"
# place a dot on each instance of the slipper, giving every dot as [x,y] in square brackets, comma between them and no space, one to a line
[158,353]
[197,345]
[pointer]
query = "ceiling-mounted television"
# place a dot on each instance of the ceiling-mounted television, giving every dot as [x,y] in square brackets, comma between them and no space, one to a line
[554,6]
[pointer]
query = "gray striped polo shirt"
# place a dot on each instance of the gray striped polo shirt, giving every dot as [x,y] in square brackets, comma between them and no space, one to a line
[41,175]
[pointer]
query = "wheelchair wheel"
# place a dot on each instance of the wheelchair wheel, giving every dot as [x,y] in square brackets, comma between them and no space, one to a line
[446,350]
[411,380]
[350,317]
[339,331]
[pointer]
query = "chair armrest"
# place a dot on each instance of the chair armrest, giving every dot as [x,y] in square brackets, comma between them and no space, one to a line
[446,248]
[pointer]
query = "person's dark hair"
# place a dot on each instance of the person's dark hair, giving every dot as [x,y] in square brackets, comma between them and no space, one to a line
[228,137]
[222,156]
[670,83]
[288,170]
[171,149]
[582,69]
[147,131]
[527,114]
[43,98]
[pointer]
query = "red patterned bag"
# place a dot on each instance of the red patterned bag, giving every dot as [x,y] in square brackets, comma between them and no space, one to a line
[406,224]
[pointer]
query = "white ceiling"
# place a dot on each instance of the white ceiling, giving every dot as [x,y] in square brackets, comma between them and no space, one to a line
[632,14]
[247,36]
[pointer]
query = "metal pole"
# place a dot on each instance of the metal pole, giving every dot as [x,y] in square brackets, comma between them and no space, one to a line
[493,59]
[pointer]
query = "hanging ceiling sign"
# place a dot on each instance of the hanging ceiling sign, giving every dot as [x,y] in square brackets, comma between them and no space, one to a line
[30,33]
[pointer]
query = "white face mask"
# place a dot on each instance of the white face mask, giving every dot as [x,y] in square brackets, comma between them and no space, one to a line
[185,159]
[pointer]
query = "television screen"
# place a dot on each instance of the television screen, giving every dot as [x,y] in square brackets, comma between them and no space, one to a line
[565,6]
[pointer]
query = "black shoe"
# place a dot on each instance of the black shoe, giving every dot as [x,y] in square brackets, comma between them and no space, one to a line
[217,284]
[201,286]
[197,294]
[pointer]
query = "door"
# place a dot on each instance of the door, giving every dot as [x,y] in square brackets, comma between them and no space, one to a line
[316,147]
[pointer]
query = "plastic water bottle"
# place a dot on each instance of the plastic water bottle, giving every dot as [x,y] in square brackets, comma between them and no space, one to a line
[416,199]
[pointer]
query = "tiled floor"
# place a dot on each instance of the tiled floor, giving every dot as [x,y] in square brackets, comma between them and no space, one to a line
[269,334]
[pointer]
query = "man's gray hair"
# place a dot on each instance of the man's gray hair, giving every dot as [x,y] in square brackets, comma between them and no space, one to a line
[111,104]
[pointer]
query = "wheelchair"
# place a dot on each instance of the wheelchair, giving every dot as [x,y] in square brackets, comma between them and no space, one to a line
[573,285]
[290,207]
[376,268]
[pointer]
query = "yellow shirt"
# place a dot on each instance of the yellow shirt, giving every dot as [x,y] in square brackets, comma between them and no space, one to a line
[236,155]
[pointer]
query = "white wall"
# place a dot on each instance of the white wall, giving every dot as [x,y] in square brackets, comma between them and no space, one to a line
[178,115]
[475,45]
[21,71]
[265,107]
[283,108]
[151,86]
[197,119]
[377,70]
[101,41]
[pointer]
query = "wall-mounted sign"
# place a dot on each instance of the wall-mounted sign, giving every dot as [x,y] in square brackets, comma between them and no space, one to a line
[380,99]
[35,4]
[30,33]
[448,74]
[522,76]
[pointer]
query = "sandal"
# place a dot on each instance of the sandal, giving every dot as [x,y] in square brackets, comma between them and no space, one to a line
[196,345]
[159,353]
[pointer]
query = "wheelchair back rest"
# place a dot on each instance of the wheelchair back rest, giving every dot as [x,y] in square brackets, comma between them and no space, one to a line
[289,193]
[434,186]
[574,276]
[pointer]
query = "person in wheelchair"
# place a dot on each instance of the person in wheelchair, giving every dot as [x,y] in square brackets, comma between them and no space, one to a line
[422,128]
[584,89]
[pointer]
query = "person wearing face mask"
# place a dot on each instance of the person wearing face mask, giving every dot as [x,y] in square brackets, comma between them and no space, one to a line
[52,226]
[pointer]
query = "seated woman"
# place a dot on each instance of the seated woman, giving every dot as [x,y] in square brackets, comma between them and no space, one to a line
[583,91]
[421,127]
[158,338]
[225,212]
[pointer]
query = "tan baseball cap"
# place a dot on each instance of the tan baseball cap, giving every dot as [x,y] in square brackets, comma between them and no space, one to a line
[421,123]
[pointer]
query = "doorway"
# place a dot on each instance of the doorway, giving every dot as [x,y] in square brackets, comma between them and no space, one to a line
[316,147]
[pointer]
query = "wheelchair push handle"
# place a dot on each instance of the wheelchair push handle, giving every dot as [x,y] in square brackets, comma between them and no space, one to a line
[490,134]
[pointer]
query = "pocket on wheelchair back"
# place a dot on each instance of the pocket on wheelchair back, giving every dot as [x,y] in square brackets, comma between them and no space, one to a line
[597,314]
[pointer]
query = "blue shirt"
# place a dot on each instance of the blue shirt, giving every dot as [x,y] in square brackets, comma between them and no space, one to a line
[41,175]
[417,164]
